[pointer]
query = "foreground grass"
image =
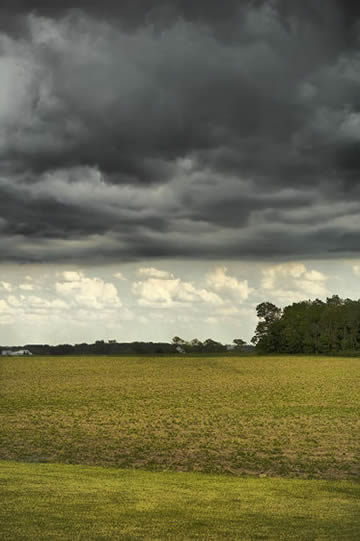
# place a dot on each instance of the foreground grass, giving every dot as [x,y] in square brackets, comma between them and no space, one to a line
[75,502]
[275,416]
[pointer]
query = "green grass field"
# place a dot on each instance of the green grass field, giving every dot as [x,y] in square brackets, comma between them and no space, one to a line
[293,417]
[281,435]
[46,501]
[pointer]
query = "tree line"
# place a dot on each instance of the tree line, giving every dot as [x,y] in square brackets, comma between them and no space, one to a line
[331,326]
[316,326]
[112,347]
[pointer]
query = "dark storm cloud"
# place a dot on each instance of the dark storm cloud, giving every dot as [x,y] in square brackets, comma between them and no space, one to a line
[201,126]
[136,12]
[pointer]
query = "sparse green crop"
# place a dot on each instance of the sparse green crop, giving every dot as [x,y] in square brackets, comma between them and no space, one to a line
[47,501]
[273,416]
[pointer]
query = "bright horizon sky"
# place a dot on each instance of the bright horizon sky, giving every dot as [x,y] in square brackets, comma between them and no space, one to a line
[72,304]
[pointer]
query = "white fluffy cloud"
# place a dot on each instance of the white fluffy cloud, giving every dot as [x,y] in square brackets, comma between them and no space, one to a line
[162,289]
[65,302]
[293,282]
[272,275]
[5,286]
[15,308]
[219,280]
[151,272]
[119,276]
[8,313]
[87,292]
[26,287]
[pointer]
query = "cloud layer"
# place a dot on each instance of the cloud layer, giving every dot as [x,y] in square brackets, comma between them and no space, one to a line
[72,304]
[189,129]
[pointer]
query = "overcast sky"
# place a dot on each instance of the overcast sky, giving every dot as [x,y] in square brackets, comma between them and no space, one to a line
[166,165]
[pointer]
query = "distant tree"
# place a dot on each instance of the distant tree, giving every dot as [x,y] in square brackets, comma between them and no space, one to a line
[212,345]
[268,312]
[309,327]
[335,300]
[266,331]
[196,343]
[239,342]
[177,341]
[101,347]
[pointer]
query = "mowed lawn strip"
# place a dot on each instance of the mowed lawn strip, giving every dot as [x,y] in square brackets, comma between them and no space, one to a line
[48,501]
[274,416]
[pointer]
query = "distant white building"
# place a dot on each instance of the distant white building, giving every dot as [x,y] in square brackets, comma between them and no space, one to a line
[19,353]
[179,349]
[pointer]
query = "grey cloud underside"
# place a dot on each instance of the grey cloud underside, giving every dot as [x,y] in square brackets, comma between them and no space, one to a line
[190,129]
[210,10]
